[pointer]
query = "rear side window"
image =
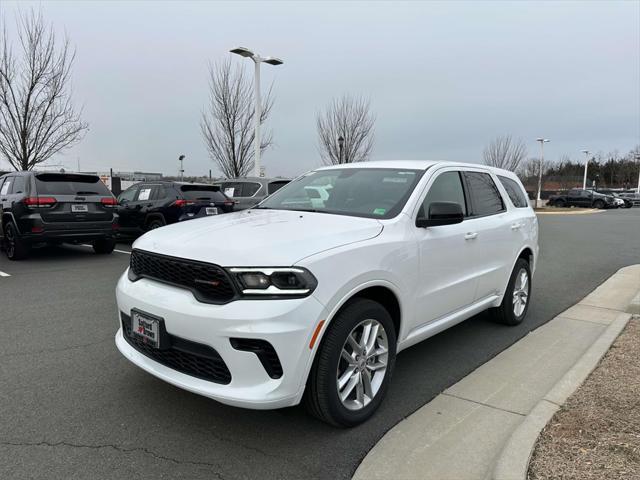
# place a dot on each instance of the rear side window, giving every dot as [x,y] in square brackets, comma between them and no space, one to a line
[232,189]
[447,187]
[250,189]
[202,192]
[484,194]
[18,185]
[128,195]
[70,184]
[5,186]
[514,191]
[277,185]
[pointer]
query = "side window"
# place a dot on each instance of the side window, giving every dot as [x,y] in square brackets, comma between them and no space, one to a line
[484,195]
[250,189]
[447,187]
[5,186]
[517,196]
[277,185]
[128,195]
[232,189]
[18,185]
[144,193]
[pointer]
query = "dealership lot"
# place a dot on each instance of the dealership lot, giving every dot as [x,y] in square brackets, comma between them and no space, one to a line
[72,407]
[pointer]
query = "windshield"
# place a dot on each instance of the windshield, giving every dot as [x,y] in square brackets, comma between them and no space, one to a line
[359,192]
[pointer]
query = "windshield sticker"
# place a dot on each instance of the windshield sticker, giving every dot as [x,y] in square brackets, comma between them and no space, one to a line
[380,211]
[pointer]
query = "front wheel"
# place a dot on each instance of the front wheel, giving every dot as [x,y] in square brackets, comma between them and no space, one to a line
[515,302]
[599,204]
[104,246]
[353,365]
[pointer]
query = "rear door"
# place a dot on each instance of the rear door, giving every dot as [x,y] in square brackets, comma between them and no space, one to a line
[72,198]
[5,202]
[124,208]
[489,227]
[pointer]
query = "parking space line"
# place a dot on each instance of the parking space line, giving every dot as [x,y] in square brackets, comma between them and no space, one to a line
[4,274]
[115,249]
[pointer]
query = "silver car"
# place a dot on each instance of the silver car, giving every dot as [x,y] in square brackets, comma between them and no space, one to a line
[249,191]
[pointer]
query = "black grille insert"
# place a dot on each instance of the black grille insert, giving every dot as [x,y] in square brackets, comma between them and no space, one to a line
[209,283]
[185,356]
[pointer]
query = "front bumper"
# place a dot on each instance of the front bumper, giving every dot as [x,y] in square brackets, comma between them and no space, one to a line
[286,324]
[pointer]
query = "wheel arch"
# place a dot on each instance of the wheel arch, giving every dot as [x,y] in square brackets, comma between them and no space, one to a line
[154,216]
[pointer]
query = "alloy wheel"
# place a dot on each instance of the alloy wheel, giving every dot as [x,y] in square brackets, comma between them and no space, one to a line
[521,292]
[10,243]
[362,365]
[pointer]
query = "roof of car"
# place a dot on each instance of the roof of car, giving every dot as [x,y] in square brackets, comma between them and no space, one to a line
[414,165]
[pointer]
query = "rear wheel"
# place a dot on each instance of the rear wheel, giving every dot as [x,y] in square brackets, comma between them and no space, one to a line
[515,302]
[14,247]
[104,246]
[353,365]
[155,223]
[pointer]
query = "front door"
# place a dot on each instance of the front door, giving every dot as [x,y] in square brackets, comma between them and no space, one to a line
[449,256]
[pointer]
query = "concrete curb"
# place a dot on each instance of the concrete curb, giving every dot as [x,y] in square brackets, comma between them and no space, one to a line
[581,212]
[513,461]
[634,306]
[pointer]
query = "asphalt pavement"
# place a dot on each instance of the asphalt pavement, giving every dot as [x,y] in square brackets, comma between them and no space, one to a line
[72,407]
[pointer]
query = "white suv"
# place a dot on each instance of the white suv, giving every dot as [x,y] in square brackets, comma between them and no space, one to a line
[300,299]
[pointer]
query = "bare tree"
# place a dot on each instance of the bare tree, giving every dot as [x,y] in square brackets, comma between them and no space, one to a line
[505,152]
[348,118]
[228,124]
[37,118]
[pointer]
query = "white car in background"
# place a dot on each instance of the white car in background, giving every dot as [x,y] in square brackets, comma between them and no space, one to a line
[303,300]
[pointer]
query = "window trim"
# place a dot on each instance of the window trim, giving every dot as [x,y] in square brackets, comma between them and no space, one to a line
[468,188]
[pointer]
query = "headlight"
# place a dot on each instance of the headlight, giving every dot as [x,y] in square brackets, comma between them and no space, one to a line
[274,282]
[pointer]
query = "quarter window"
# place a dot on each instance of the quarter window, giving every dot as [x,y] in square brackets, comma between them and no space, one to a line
[250,189]
[485,197]
[514,191]
[18,185]
[447,187]
[6,185]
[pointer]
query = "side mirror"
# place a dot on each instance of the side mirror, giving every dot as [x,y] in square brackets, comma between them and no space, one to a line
[441,213]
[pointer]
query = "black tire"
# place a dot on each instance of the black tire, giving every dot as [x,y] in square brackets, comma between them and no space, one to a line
[104,246]
[14,247]
[155,223]
[560,203]
[321,395]
[599,204]
[505,312]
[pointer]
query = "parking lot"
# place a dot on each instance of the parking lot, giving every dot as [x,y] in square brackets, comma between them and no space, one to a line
[72,407]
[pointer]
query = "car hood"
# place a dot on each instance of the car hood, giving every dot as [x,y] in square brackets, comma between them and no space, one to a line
[258,237]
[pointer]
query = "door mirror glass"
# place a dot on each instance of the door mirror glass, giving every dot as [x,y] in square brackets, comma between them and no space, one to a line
[441,213]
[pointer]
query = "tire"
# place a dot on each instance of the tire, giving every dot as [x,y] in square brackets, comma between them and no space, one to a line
[599,204]
[560,203]
[507,313]
[104,246]
[14,247]
[322,396]
[155,223]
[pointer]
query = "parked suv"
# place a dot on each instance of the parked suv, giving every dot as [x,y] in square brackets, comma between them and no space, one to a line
[249,191]
[619,200]
[578,197]
[149,205]
[38,208]
[311,301]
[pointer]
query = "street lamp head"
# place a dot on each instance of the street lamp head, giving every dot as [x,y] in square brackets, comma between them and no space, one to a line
[341,140]
[243,52]
[586,152]
[542,140]
[181,157]
[273,61]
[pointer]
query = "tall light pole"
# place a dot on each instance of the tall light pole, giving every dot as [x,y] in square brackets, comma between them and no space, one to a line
[586,165]
[542,142]
[181,159]
[340,146]
[257,60]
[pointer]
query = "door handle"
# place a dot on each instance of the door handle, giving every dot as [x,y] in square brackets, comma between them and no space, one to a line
[470,235]
[516,226]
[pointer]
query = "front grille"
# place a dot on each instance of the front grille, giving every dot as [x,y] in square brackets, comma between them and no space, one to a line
[185,356]
[209,283]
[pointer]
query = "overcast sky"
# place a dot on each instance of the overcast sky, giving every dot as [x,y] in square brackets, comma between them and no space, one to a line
[443,77]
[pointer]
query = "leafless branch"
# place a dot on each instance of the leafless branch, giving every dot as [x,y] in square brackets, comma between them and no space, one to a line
[351,119]
[228,123]
[505,152]
[37,118]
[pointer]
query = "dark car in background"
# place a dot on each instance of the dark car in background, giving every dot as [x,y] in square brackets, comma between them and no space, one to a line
[148,205]
[249,191]
[631,196]
[578,197]
[621,200]
[54,208]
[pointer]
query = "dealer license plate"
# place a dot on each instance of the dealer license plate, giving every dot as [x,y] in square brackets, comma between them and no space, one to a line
[211,210]
[146,328]
[79,208]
